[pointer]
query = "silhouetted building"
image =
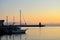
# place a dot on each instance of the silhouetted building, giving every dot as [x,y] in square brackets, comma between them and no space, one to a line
[39,23]
[1,22]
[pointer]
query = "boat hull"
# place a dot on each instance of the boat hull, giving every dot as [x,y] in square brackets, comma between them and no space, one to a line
[18,32]
[10,32]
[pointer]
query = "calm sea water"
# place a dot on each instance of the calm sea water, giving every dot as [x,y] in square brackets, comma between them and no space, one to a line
[43,33]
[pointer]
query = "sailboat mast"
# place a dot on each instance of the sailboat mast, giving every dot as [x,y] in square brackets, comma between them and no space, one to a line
[20,17]
[13,20]
[6,20]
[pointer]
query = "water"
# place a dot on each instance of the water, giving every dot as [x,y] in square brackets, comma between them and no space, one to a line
[43,33]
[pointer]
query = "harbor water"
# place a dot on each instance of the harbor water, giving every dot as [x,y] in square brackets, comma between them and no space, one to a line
[36,33]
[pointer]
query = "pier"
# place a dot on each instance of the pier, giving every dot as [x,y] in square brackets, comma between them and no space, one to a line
[23,26]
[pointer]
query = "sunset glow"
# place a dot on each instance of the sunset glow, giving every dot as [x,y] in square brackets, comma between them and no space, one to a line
[34,11]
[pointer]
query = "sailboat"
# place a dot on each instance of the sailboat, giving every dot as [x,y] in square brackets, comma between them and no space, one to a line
[11,29]
[19,30]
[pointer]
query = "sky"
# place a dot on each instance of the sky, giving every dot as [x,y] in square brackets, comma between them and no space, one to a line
[33,11]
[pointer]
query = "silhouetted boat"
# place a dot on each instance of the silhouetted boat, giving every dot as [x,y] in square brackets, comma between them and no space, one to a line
[15,31]
[18,31]
[10,29]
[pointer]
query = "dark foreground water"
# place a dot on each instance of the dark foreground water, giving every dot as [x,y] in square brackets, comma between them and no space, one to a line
[44,33]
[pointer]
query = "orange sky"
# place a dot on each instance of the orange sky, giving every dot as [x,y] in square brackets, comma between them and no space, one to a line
[34,11]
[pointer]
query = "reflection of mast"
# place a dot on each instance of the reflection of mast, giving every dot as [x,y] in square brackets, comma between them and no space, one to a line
[6,20]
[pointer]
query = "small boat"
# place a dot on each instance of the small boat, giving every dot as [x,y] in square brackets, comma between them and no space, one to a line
[18,31]
[15,31]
